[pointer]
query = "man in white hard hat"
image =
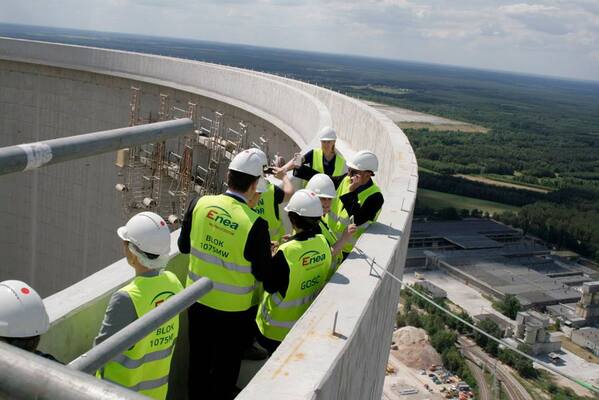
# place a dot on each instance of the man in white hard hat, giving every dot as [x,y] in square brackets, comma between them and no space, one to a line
[23,317]
[325,160]
[144,367]
[302,265]
[229,243]
[324,188]
[269,197]
[359,200]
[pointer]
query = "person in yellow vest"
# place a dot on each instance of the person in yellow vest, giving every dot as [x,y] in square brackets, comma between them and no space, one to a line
[228,243]
[302,265]
[269,199]
[324,188]
[144,367]
[325,160]
[359,200]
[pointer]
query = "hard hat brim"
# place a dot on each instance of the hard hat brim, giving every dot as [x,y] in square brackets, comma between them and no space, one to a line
[123,233]
[354,166]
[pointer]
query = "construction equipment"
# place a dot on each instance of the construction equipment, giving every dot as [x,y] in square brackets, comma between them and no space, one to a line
[162,176]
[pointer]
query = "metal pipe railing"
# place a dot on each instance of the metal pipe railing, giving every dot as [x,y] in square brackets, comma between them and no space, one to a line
[99,355]
[28,156]
[26,376]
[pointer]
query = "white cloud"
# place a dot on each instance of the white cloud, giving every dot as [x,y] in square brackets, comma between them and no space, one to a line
[513,35]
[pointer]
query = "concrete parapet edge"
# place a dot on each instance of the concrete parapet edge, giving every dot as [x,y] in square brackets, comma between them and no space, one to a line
[314,361]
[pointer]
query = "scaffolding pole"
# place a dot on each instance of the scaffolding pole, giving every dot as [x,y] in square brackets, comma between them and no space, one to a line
[29,156]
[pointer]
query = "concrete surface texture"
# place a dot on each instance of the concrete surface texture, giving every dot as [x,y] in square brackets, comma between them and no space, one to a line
[63,217]
[339,348]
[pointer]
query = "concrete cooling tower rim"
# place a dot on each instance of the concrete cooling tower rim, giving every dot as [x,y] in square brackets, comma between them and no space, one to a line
[339,348]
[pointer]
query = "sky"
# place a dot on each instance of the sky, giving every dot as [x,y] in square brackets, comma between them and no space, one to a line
[554,37]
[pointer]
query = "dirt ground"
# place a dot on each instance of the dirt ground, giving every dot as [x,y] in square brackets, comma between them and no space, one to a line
[406,118]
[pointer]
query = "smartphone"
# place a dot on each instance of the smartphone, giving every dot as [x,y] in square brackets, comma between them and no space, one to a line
[269,170]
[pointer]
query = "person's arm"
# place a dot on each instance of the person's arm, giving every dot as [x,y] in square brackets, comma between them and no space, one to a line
[283,195]
[367,212]
[184,241]
[119,313]
[347,234]
[257,250]
[279,281]
[306,159]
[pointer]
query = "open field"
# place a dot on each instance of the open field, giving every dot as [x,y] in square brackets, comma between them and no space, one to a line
[438,200]
[503,183]
[406,118]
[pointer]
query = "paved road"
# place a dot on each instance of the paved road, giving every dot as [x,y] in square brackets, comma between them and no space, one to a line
[484,393]
[514,389]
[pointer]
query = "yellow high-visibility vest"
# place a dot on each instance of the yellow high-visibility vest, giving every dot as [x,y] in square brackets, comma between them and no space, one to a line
[318,165]
[145,367]
[219,232]
[267,209]
[309,262]
[338,218]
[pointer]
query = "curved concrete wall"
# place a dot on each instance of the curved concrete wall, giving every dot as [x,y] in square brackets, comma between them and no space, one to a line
[64,216]
[314,361]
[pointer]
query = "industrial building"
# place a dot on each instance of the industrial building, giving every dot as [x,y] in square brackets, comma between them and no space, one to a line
[62,218]
[498,260]
[588,338]
[531,330]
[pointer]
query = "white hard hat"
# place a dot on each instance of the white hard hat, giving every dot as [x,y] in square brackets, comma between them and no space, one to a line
[260,154]
[249,162]
[305,203]
[364,160]
[148,232]
[262,185]
[22,311]
[323,186]
[327,133]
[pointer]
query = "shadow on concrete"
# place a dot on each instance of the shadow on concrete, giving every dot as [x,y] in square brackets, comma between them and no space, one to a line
[388,230]
[339,279]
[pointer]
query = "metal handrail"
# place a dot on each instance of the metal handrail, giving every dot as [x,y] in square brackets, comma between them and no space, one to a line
[26,376]
[24,157]
[99,355]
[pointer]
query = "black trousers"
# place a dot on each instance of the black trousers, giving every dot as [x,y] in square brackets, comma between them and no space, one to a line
[269,344]
[216,343]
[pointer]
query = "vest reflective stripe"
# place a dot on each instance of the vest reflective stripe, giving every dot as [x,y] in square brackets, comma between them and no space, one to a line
[326,232]
[146,385]
[145,367]
[219,233]
[318,163]
[131,363]
[246,269]
[279,324]
[293,303]
[339,218]
[223,287]
[268,210]
[309,261]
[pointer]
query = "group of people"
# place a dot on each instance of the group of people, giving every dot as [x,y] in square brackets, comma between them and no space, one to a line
[264,278]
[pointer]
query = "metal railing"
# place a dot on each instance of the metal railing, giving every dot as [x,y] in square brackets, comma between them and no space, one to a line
[24,157]
[99,355]
[26,376]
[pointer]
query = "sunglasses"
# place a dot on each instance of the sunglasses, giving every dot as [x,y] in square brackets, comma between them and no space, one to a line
[353,172]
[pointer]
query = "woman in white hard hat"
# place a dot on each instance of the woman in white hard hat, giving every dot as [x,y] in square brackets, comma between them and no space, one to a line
[23,316]
[324,188]
[302,265]
[359,200]
[146,244]
[325,160]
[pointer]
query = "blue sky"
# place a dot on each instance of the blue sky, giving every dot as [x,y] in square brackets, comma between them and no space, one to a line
[556,37]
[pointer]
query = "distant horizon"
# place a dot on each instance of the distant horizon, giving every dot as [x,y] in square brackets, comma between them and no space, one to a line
[299,50]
